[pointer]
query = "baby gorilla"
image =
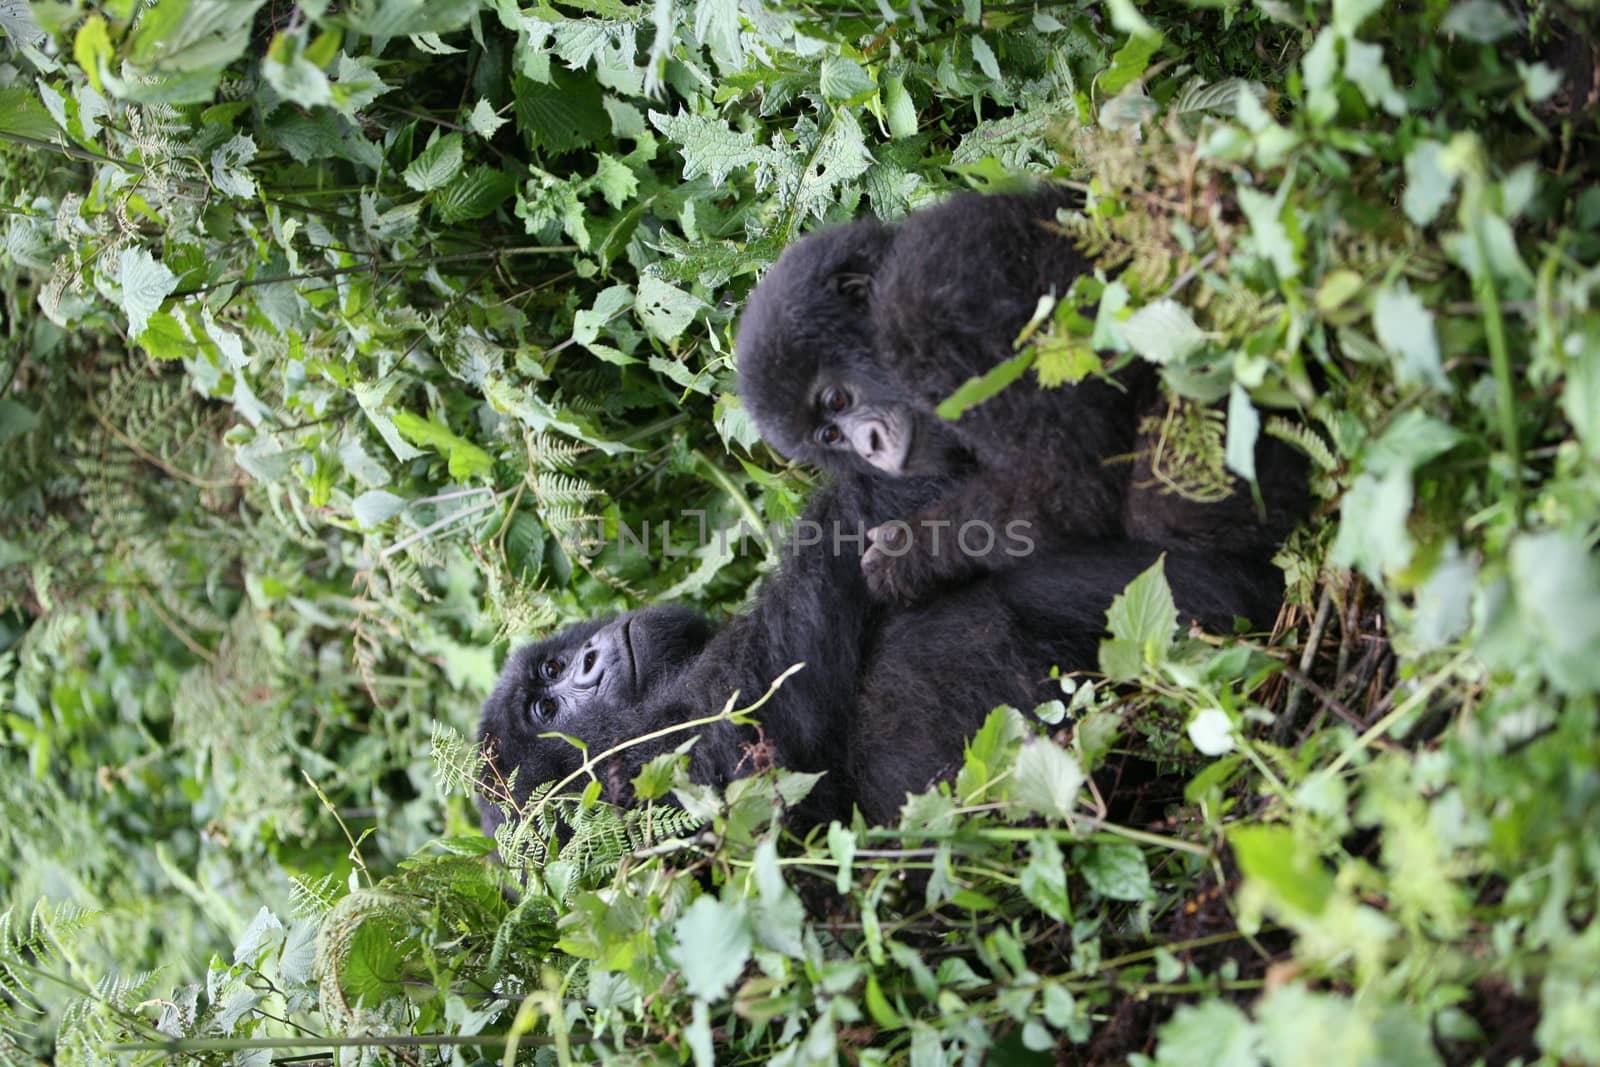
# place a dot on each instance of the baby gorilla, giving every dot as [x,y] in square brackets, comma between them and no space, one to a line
[897,723]
[859,332]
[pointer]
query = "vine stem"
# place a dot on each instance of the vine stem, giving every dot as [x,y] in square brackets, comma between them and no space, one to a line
[1385,724]
[728,712]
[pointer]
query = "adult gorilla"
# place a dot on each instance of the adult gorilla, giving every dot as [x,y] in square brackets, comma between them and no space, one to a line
[885,703]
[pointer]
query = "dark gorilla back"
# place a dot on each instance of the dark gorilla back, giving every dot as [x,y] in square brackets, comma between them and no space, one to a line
[935,671]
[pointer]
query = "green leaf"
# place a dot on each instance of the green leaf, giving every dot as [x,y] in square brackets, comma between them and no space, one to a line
[1044,879]
[1372,525]
[484,119]
[984,56]
[1299,1028]
[1410,440]
[1118,871]
[567,114]
[1047,779]
[376,506]
[1286,865]
[1556,581]
[1163,332]
[1483,21]
[227,167]
[15,419]
[1364,66]
[1212,1033]
[473,194]
[263,933]
[22,115]
[1244,425]
[710,148]
[1129,63]
[1429,185]
[665,310]
[402,18]
[1348,15]
[1405,329]
[712,943]
[145,284]
[844,81]
[899,110]
[616,182]
[1271,236]
[295,77]
[437,164]
[1144,615]
[466,460]
[842,847]
[975,391]
[91,49]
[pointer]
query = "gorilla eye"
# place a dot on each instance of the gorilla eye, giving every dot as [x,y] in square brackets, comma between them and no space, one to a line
[830,435]
[835,399]
[551,669]
[546,707]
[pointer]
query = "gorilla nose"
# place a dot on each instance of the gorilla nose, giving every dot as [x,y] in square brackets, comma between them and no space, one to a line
[590,666]
[874,442]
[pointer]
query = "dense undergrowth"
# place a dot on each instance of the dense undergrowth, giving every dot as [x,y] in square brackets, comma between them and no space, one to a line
[341,340]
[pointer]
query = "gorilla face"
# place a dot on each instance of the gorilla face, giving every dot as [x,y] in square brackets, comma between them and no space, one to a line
[591,681]
[809,372]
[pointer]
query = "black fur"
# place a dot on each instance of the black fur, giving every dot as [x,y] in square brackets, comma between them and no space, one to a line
[904,316]
[883,707]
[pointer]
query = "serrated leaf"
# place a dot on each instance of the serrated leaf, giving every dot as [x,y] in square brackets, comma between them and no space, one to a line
[665,310]
[357,84]
[145,284]
[372,508]
[474,194]
[1047,779]
[842,847]
[1212,1033]
[1044,879]
[1163,332]
[91,49]
[1118,871]
[1483,21]
[1271,236]
[404,18]
[1144,613]
[1372,524]
[227,167]
[712,943]
[1364,66]
[484,120]
[615,181]
[1428,184]
[844,81]
[710,147]
[984,56]
[1405,329]
[566,114]
[437,165]
[263,930]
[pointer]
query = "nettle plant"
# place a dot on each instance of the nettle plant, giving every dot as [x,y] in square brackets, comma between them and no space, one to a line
[465,275]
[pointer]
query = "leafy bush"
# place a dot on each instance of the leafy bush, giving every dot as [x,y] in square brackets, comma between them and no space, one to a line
[343,343]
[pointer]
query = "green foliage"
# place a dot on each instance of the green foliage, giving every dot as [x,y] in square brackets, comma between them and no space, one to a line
[342,344]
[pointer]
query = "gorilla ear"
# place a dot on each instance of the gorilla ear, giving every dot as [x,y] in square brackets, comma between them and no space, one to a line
[854,287]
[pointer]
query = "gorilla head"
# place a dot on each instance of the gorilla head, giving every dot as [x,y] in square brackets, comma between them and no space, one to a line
[809,373]
[591,681]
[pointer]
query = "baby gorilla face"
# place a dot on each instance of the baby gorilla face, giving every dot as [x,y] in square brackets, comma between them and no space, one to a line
[592,681]
[809,371]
